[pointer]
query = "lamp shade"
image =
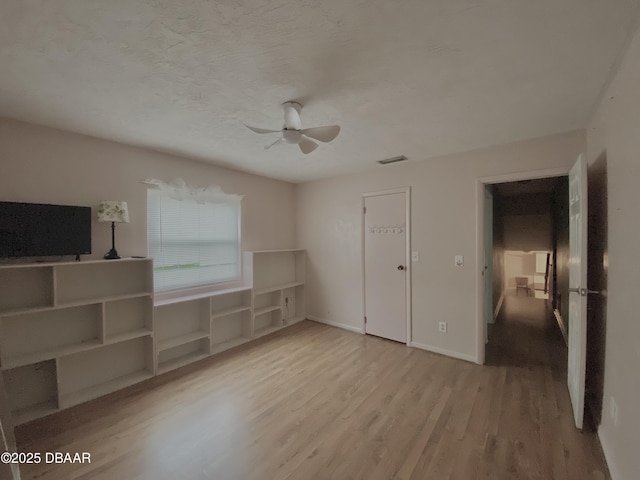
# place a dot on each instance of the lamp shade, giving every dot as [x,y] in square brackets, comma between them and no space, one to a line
[113,211]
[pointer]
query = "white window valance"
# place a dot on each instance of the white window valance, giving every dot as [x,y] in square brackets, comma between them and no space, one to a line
[178,189]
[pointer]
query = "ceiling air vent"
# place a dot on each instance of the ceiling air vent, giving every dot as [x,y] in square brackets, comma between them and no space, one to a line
[386,161]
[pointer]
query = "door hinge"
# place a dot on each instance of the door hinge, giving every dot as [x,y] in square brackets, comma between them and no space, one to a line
[365,319]
[364,209]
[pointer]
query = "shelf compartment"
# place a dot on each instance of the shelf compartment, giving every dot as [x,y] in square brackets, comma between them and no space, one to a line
[182,355]
[105,388]
[230,331]
[275,269]
[278,287]
[108,279]
[22,360]
[223,346]
[24,289]
[266,302]
[129,315]
[88,375]
[33,337]
[32,390]
[181,340]
[178,319]
[267,309]
[266,323]
[230,303]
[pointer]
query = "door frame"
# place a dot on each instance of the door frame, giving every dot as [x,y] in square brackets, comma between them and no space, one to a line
[488,260]
[407,198]
[480,211]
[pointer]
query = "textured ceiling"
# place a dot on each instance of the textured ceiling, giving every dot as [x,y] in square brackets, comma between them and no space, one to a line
[413,77]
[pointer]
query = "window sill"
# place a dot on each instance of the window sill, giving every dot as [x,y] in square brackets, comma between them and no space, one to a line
[176,296]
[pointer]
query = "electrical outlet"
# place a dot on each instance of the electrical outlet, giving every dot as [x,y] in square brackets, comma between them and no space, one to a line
[614,411]
[459,260]
[442,327]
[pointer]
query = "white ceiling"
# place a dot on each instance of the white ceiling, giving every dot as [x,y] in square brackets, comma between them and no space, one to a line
[413,77]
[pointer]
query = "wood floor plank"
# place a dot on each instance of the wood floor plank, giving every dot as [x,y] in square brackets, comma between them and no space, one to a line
[316,402]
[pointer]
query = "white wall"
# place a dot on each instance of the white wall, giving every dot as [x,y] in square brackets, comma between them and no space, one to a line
[45,165]
[523,264]
[614,139]
[444,225]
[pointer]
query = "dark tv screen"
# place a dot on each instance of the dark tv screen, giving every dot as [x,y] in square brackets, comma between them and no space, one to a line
[40,230]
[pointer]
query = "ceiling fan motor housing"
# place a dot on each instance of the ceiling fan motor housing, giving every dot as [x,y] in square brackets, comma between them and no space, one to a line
[291,136]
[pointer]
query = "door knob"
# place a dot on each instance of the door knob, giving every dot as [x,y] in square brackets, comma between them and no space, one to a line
[583,291]
[400,267]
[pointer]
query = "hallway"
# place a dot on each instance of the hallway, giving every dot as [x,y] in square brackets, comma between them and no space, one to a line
[536,421]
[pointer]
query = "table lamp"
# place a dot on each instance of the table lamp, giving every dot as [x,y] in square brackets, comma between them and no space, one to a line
[113,211]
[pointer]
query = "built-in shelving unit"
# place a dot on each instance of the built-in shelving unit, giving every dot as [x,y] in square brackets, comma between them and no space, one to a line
[183,330]
[230,320]
[192,327]
[73,331]
[278,278]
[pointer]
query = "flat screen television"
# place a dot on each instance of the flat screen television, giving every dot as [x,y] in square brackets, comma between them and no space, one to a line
[41,230]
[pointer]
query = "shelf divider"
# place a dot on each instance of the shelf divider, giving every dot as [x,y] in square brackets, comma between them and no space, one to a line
[267,309]
[181,340]
[229,311]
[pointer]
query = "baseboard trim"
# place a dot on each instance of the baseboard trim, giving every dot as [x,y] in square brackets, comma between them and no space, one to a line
[604,450]
[331,323]
[443,351]
[563,329]
[496,312]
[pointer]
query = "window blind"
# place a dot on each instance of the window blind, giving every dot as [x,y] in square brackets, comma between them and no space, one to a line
[192,244]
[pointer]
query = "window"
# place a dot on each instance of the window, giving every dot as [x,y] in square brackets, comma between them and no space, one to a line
[192,243]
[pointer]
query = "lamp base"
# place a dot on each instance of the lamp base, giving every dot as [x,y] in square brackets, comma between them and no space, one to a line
[111,255]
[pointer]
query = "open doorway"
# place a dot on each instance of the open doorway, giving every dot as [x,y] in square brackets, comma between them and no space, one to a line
[562,264]
[529,253]
[530,235]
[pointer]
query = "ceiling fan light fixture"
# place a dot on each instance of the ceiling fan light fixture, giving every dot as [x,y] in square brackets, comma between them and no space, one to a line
[292,115]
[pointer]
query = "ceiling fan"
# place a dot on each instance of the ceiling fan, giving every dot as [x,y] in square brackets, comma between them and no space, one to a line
[292,131]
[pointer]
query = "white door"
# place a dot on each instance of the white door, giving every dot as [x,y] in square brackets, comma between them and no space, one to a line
[577,287]
[385,265]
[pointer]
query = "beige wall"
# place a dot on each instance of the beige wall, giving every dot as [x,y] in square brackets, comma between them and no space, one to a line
[527,232]
[614,146]
[443,223]
[44,165]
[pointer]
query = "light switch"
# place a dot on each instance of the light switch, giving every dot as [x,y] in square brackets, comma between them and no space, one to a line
[415,256]
[459,260]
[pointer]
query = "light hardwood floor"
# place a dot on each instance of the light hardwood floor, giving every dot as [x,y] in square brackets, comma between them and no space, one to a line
[316,402]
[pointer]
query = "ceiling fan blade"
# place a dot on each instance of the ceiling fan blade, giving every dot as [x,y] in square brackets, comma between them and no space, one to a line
[280,140]
[324,134]
[307,146]
[261,130]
